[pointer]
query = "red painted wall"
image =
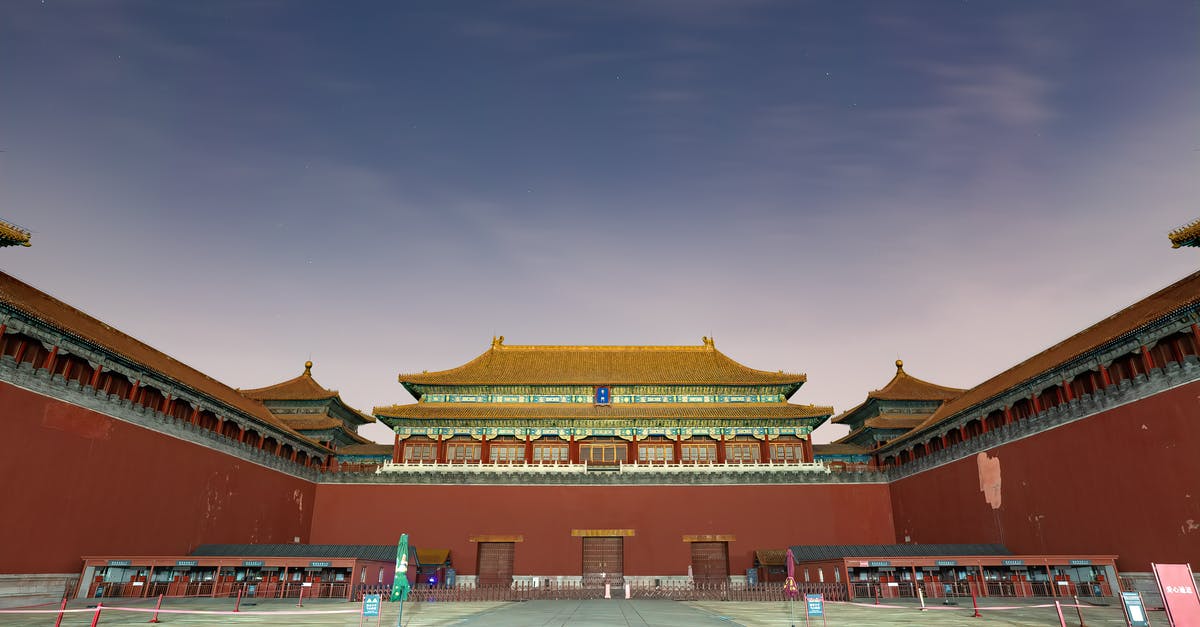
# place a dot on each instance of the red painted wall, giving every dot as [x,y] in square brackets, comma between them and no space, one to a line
[759,516]
[1124,482]
[76,482]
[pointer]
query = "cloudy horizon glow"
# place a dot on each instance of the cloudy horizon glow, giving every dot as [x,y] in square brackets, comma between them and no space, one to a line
[823,188]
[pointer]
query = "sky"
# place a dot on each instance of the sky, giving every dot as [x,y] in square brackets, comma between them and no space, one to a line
[822,187]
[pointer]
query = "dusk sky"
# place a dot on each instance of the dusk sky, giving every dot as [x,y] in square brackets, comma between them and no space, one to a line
[382,187]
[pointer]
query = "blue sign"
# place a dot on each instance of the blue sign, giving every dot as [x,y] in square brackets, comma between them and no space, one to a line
[371,605]
[318,564]
[1081,562]
[1134,610]
[1014,562]
[947,562]
[118,562]
[186,562]
[602,395]
[252,563]
[815,604]
[879,563]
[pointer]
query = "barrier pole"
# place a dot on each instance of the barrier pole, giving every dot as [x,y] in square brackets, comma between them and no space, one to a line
[974,603]
[1062,621]
[58,622]
[921,597]
[238,605]
[96,616]
[157,606]
[1079,610]
[876,594]
[300,601]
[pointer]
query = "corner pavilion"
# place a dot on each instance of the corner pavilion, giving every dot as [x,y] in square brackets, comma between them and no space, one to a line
[603,406]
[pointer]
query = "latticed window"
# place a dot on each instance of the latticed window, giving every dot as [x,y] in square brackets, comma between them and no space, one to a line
[610,452]
[656,452]
[546,453]
[742,452]
[462,451]
[506,453]
[785,451]
[420,451]
[699,453]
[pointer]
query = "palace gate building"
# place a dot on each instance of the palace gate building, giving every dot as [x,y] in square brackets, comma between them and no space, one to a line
[593,463]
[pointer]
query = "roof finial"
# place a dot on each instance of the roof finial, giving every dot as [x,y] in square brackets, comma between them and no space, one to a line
[708,341]
[497,341]
[899,366]
[308,368]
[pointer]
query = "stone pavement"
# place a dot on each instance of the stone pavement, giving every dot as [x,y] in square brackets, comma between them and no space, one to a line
[587,613]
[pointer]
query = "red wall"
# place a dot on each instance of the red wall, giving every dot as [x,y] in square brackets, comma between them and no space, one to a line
[1124,482]
[76,482]
[759,516]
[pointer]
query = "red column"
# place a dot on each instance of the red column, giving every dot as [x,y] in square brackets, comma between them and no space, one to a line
[633,451]
[1196,335]
[1008,417]
[572,450]
[764,450]
[162,409]
[196,416]
[721,450]
[53,357]
[134,389]
[1147,359]
[96,376]
[983,426]
[440,454]
[806,445]
[1105,378]
[20,352]
[528,449]
[396,448]
[484,450]
[678,449]
[1037,404]
[1070,394]
[262,441]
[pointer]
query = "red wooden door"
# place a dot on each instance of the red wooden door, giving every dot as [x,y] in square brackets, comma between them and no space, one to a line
[710,563]
[604,559]
[495,564]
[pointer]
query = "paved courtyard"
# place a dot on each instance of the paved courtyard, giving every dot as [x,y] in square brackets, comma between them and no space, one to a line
[588,613]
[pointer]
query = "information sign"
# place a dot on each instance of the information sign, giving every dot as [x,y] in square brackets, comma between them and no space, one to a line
[252,563]
[318,564]
[879,563]
[187,562]
[1081,562]
[1134,610]
[1179,593]
[1014,562]
[371,603]
[947,562]
[815,604]
[118,562]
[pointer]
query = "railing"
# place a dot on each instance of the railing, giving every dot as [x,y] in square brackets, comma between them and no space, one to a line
[222,589]
[675,591]
[630,467]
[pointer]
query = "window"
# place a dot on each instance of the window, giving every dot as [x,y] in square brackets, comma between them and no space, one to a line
[602,452]
[656,453]
[506,453]
[785,451]
[704,453]
[550,453]
[742,452]
[420,451]
[462,451]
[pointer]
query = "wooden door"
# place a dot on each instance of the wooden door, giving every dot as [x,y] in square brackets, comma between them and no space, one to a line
[604,558]
[710,563]
[495,564]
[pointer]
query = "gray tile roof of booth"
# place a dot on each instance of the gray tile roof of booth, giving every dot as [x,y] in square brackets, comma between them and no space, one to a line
[380,552]
[818,552]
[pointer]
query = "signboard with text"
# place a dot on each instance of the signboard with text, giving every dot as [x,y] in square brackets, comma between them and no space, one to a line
[815,604]
[1179,593]
[1135,612]
[371,603]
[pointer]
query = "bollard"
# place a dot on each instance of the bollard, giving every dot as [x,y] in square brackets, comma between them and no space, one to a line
[238,605]
[1079,611]
[96,617]
[974,603]
[58,622]
[876,594]
[157,606]
[607,590]
[1062,621]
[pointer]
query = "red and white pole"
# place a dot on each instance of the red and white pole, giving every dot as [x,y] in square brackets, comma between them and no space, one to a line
[300,602]
[96,616]
[1079,610]
[237,606]
[974,602]
[61,608]
[157,606]
[1062,621]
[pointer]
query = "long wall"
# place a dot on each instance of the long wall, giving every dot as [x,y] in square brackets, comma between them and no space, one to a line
[1125,482]
[77,482]
[758,516]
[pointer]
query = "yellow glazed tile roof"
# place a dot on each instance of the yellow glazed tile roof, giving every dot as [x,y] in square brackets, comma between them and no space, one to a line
[905,387]
[301,388]
[633,411]
[13,235]
[1185,235]
[602,365]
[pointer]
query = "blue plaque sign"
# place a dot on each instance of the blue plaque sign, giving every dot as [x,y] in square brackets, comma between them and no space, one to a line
[603,396]
[371,605]
[815,604]
[879,563]
[186,562]
[118,562]
[252,563]
[1081,562]
[1134,611]
[947,562]
[318,564]
[1014,562]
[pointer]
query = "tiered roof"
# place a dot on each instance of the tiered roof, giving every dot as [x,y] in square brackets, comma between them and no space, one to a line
[602,365]
[1178,296]
[13,235]
[904,387]
[1186,235]
[305,389]
[73,322]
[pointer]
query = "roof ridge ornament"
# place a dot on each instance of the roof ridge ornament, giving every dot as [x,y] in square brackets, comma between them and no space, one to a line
[308,368]
[899,366]
[708,342]
[497,341]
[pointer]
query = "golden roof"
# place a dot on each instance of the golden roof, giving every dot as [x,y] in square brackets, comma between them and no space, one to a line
[13,235]
[839,448]
[1186,235]
[771,557]
[301,388]
[632,411]
[905,387]
[1181,294]
[602,365]
[432,556]
[369,448]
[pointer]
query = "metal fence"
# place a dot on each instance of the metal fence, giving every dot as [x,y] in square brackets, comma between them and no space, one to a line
[526,591]
[223,589]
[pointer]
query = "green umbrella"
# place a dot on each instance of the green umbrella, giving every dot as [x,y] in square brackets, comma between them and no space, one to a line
[400,583]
